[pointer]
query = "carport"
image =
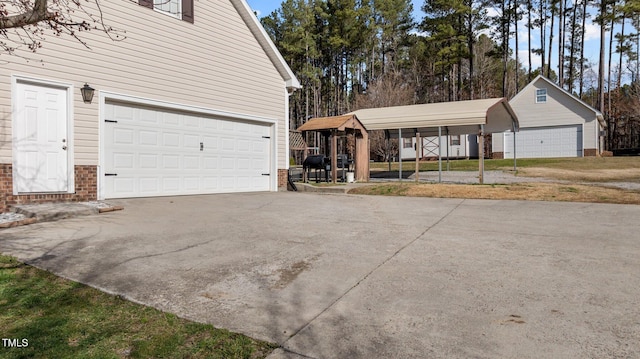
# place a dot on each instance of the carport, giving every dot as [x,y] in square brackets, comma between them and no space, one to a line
[455,118]
[335,126]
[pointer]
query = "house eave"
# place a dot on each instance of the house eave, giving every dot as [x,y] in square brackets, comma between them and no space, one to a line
[243,8]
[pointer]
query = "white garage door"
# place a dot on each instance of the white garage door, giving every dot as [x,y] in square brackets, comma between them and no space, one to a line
[153,152]
[545,142]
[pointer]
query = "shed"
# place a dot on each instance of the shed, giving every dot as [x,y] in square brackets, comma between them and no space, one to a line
[335,126]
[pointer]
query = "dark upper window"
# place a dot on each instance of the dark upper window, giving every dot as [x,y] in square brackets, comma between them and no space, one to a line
[455,140]
[407,142]
[182,9]
[541,95]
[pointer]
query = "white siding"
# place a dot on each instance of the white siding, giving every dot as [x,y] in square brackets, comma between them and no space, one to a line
[431,147]
[560,109]
[215,63]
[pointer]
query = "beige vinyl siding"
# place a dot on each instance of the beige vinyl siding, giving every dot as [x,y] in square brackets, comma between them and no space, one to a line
[497,141]
[560,109]
[215,63]
[551,113]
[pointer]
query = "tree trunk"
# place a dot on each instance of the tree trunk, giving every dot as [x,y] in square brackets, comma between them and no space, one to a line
[584,30]
[515,22]
[572,48]
[529,8]
[609,70]
[561,28]
[603,33]
[621,53]
[543,37]
[553,16]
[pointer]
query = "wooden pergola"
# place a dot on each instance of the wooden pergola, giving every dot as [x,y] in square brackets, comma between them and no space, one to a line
[336,126]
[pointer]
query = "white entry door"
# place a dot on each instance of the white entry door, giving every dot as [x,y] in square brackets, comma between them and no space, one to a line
[40,139]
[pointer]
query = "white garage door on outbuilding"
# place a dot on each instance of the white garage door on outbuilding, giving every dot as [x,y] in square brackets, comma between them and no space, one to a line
[158,152]
[545,142]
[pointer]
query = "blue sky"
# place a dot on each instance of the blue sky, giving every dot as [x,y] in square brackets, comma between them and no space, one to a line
[265,7]
[592,41]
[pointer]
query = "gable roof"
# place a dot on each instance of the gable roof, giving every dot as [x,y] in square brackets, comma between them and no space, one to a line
[339,123]
[596,113]
[267,45]
[462,116]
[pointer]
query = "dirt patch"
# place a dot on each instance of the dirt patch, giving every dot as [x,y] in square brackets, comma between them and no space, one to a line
[588,175]
[288,275]
[516,191]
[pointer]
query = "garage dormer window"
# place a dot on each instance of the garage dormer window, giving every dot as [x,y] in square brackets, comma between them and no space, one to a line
[541,95]
[181,9]
[169,7]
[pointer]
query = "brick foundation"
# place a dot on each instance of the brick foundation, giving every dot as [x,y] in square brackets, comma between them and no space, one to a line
[590,152]
[497,155]
[86,189]
[282,179]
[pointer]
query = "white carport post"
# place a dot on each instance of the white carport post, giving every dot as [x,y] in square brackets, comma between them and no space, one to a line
[400,152]
[439,154]
[515,164]
[446,129]
[418,150]
[481,156]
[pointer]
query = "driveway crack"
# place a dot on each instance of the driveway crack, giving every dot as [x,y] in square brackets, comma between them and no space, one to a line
[366,276]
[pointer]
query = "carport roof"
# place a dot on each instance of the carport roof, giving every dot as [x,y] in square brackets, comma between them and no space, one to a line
[495,113]
[339,123]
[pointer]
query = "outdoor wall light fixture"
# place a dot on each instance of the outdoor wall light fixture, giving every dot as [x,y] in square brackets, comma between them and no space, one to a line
[87,93]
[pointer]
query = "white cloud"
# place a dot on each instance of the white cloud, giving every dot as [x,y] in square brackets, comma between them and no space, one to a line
[592,32]
[524,59]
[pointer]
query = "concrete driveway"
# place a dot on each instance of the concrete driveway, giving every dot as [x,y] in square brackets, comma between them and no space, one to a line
[340,276]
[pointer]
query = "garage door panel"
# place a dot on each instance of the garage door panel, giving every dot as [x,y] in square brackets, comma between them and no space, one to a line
[558,141]
[229,144]
[122,161]
[151,153]
[171,184]
[124,185]
[143,115]
[148,138]
[192,184]
[170,139]
[191,162]
[150,185]
[210,163]
[191,141]
[171,120]
[171,162]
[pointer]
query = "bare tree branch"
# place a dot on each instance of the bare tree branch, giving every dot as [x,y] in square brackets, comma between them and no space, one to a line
[31,16]
[26,23]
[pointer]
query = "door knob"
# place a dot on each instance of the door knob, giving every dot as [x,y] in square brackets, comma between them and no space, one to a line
[64,148]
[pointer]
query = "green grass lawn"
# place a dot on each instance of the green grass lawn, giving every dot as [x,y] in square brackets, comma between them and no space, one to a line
[59,318]
[585,163]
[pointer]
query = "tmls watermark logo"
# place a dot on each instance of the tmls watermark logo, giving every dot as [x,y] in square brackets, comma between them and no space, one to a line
[15,343]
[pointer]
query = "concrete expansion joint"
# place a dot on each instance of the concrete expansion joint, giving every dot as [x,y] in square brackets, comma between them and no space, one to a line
[366,276]
[296,353]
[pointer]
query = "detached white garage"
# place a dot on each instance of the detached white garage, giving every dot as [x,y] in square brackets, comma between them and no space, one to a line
[553,123]
[160,152]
